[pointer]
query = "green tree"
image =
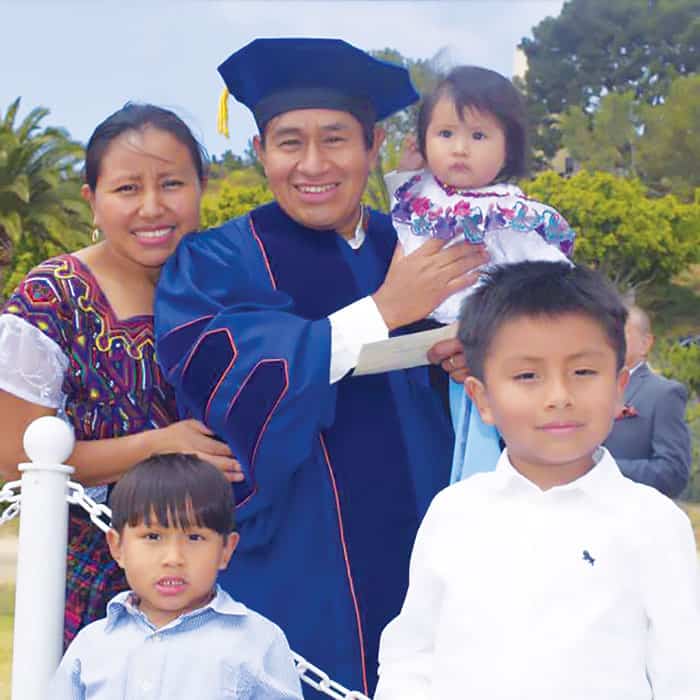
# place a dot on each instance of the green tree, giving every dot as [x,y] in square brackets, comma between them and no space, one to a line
[692,416]
[40,202]
[226,163]
[679,362]
[25,255]
[232,200]
[669,149]
[608,138]
[633,238]
[250,158]
[424,74]
[595,47]
[683,365]
[230,161]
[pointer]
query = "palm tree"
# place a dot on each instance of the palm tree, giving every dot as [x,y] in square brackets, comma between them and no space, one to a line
[40,204]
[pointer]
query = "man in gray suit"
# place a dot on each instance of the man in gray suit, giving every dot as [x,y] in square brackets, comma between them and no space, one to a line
[650,439]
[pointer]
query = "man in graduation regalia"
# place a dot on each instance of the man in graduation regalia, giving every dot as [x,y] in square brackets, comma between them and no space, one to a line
[259,325]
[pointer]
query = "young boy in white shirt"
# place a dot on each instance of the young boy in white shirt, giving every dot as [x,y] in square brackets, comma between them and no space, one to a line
[554,577]
[176,634]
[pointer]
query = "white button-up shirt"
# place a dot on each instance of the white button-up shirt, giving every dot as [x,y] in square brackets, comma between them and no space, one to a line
[586,591]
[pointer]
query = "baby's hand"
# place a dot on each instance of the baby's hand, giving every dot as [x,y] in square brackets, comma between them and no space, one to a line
[411,158]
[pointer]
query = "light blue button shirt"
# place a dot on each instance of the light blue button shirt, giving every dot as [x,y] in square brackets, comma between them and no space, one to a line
[223,650]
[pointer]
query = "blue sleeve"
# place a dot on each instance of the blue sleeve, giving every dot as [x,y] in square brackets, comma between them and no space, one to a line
[242,361]
[668,467]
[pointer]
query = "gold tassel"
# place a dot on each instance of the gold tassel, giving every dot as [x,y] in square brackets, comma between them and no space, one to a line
[222,118]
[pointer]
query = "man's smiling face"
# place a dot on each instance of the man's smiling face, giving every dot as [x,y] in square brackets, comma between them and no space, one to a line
[317,164]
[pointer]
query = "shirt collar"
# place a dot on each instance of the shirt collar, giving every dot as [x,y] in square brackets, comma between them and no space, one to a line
[125,603]
[639,364]
[595,483]
[360,230]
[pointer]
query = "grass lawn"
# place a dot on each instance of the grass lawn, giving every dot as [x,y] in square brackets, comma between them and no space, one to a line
[7,593]
[5,655]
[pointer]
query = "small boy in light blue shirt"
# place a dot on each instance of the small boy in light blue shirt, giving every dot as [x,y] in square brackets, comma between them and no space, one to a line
[176,634]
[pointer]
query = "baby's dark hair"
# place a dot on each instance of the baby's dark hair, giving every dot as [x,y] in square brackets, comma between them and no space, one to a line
[487,91]
[179,490]
[536,289]
[134,116]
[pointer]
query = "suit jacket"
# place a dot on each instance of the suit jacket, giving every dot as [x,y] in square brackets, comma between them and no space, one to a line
[653,446]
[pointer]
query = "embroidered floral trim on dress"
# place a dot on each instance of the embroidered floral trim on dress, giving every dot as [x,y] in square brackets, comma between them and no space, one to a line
[466,217]
[112,383]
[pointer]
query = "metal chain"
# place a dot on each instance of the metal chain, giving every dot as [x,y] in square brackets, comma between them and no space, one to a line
[321,681]
[9,493]
[99,513]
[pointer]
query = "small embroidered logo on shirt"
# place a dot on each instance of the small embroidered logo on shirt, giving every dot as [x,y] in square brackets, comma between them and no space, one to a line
[587,557]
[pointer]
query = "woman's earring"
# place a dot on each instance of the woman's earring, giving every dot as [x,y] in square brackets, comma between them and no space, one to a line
[95,235]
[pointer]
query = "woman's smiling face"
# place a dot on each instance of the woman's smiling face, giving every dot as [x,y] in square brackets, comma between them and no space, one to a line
[147,196]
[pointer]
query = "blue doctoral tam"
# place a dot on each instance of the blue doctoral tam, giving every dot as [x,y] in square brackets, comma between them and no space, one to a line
[272,76]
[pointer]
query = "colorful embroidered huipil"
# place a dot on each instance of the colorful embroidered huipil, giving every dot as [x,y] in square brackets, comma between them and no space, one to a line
[111,387]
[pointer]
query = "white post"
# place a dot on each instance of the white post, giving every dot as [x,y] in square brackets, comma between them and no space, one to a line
[41,558]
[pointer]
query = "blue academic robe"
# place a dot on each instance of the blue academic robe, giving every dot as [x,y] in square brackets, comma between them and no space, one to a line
[337,476]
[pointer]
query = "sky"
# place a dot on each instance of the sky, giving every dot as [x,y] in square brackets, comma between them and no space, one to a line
[84,59]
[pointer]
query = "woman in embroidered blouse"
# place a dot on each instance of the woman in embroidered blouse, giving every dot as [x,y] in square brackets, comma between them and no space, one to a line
[76,336]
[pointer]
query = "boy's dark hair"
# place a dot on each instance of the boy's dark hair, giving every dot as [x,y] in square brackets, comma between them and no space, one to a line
[179,490]
[135,117]
[538,288]
[486,91]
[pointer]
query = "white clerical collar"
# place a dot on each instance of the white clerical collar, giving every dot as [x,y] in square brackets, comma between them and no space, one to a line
[637,366]
[359,236]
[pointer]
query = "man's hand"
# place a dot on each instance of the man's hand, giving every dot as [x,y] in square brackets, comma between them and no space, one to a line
[450,356]
[416,284]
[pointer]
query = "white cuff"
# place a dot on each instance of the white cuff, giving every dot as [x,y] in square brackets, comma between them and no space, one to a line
[352,327]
